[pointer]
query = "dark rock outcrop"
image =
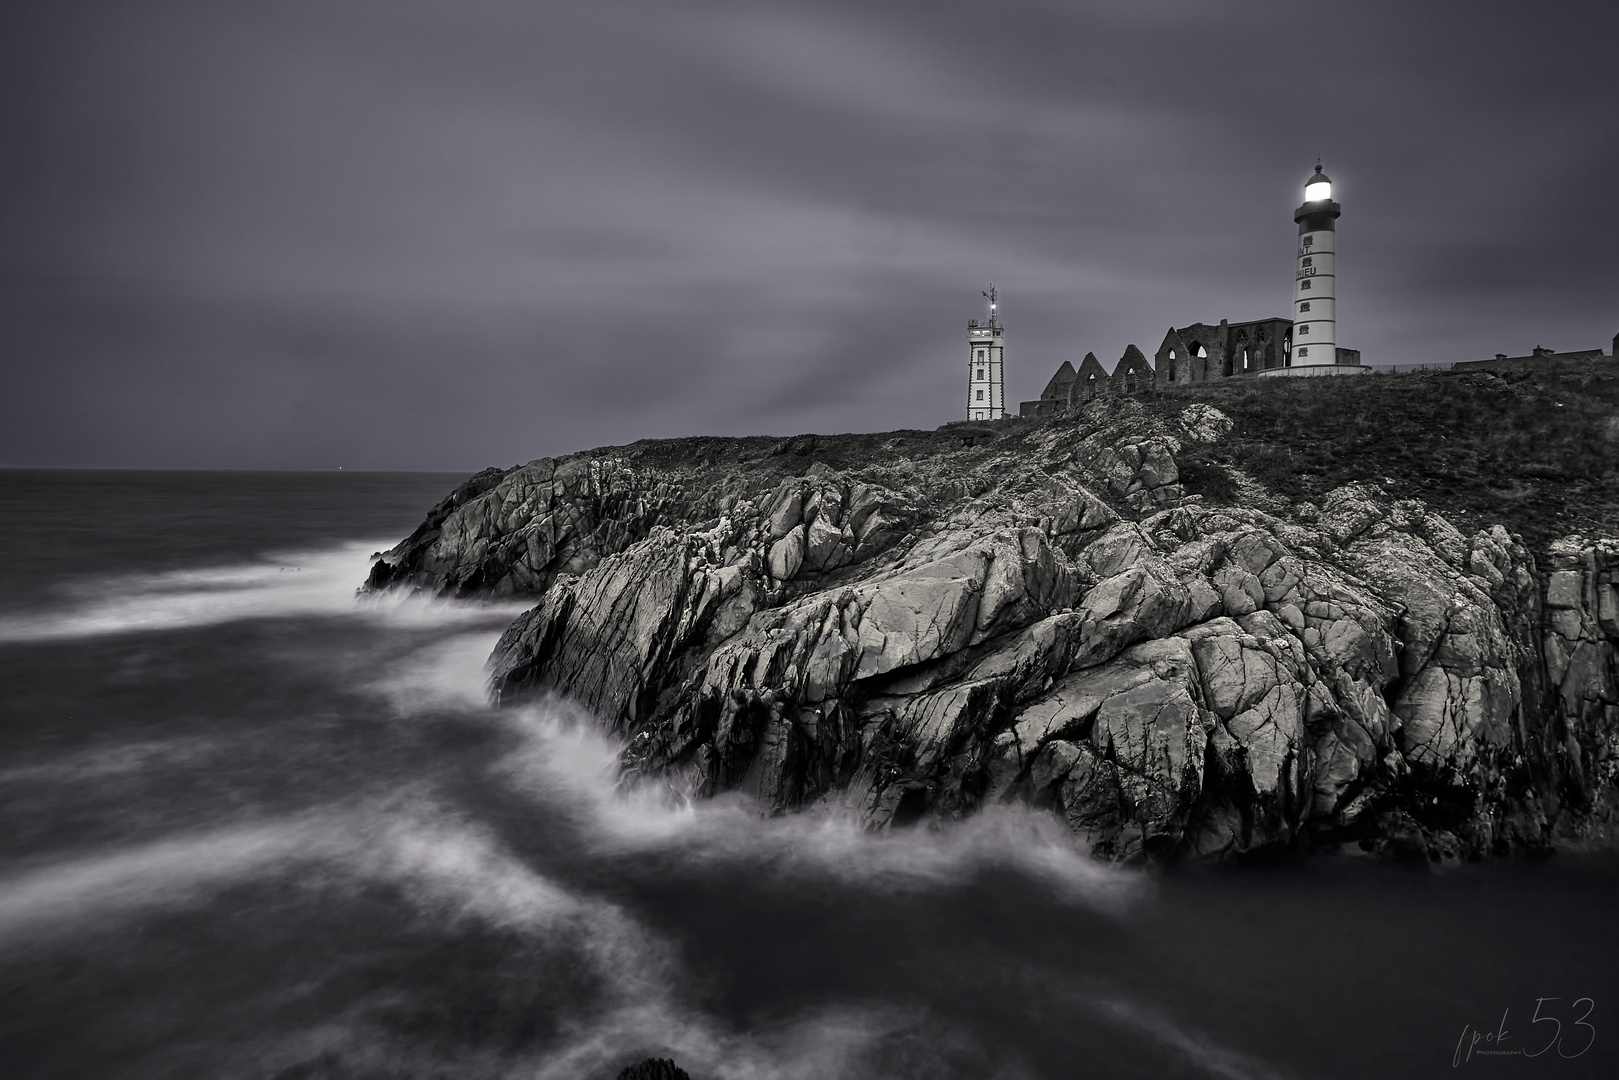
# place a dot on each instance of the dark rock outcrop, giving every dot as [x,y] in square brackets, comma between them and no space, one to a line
[905,626]
[654,1069]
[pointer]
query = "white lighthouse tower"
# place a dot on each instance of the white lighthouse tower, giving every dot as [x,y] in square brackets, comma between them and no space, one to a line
[986,395]
[1315,285]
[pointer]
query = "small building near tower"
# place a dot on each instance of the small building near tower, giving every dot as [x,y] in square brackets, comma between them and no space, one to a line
[1537,358]
[986,373]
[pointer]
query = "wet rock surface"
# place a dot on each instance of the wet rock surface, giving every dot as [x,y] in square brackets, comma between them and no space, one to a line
[919,624]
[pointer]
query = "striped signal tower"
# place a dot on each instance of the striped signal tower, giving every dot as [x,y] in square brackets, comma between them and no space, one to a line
[1314,337]
[986,382]
[1315,316]
[1312,344]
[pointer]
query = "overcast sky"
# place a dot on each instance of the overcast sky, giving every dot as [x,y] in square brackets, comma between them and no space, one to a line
[399,235]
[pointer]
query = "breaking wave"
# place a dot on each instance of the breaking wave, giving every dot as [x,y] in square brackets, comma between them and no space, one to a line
[309,583]
[448,870]
[566,760]
[450,672]
[444,865]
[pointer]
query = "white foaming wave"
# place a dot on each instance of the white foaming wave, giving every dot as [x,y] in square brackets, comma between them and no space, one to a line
[449,868]
[445,868]
[832,1044]
[451,672]
[170,872]
[1205,1053]
[566,760]
[319,583]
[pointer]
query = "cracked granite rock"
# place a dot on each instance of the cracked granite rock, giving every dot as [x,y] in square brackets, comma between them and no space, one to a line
[917,625]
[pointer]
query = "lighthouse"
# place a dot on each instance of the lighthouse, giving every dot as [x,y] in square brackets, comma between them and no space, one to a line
[1315,286]
[986,396]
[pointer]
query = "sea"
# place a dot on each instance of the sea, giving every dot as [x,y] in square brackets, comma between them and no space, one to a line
[254,825]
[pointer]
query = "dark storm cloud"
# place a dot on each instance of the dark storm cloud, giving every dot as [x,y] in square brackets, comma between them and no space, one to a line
[414,235]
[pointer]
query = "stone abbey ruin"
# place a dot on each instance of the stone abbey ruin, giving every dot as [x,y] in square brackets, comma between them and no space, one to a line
[1203,353]
[1191,354]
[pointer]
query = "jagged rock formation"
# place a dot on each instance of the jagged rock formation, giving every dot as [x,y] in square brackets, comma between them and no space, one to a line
[905,626]
[654,1069]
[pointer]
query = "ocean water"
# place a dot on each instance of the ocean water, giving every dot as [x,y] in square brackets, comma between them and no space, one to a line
[251,826]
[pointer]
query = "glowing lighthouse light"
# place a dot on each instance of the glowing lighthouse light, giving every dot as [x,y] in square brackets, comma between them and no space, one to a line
[1318,189]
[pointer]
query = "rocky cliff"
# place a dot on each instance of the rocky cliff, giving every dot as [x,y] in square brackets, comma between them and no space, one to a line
[921,624]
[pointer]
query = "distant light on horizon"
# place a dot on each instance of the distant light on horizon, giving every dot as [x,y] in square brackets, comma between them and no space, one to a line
[1319,191]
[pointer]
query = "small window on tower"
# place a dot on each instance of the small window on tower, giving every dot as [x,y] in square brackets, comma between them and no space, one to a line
[1304,350]
[1172,354]
[1305,306]
[1305,284]
[980,373]
[1308,240]
[1308,261]
[980,354]
[980,395]
[1304,328]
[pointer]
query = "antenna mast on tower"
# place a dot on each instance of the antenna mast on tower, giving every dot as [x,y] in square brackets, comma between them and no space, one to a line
[994,305]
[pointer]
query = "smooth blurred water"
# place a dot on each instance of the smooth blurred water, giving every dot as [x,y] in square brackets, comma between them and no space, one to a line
[254,827]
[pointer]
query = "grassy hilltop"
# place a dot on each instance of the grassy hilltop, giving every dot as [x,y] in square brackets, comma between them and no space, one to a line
[1536,450]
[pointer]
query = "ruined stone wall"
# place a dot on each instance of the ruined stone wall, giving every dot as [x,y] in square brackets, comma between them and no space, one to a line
[1176,362]
[1214,341]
